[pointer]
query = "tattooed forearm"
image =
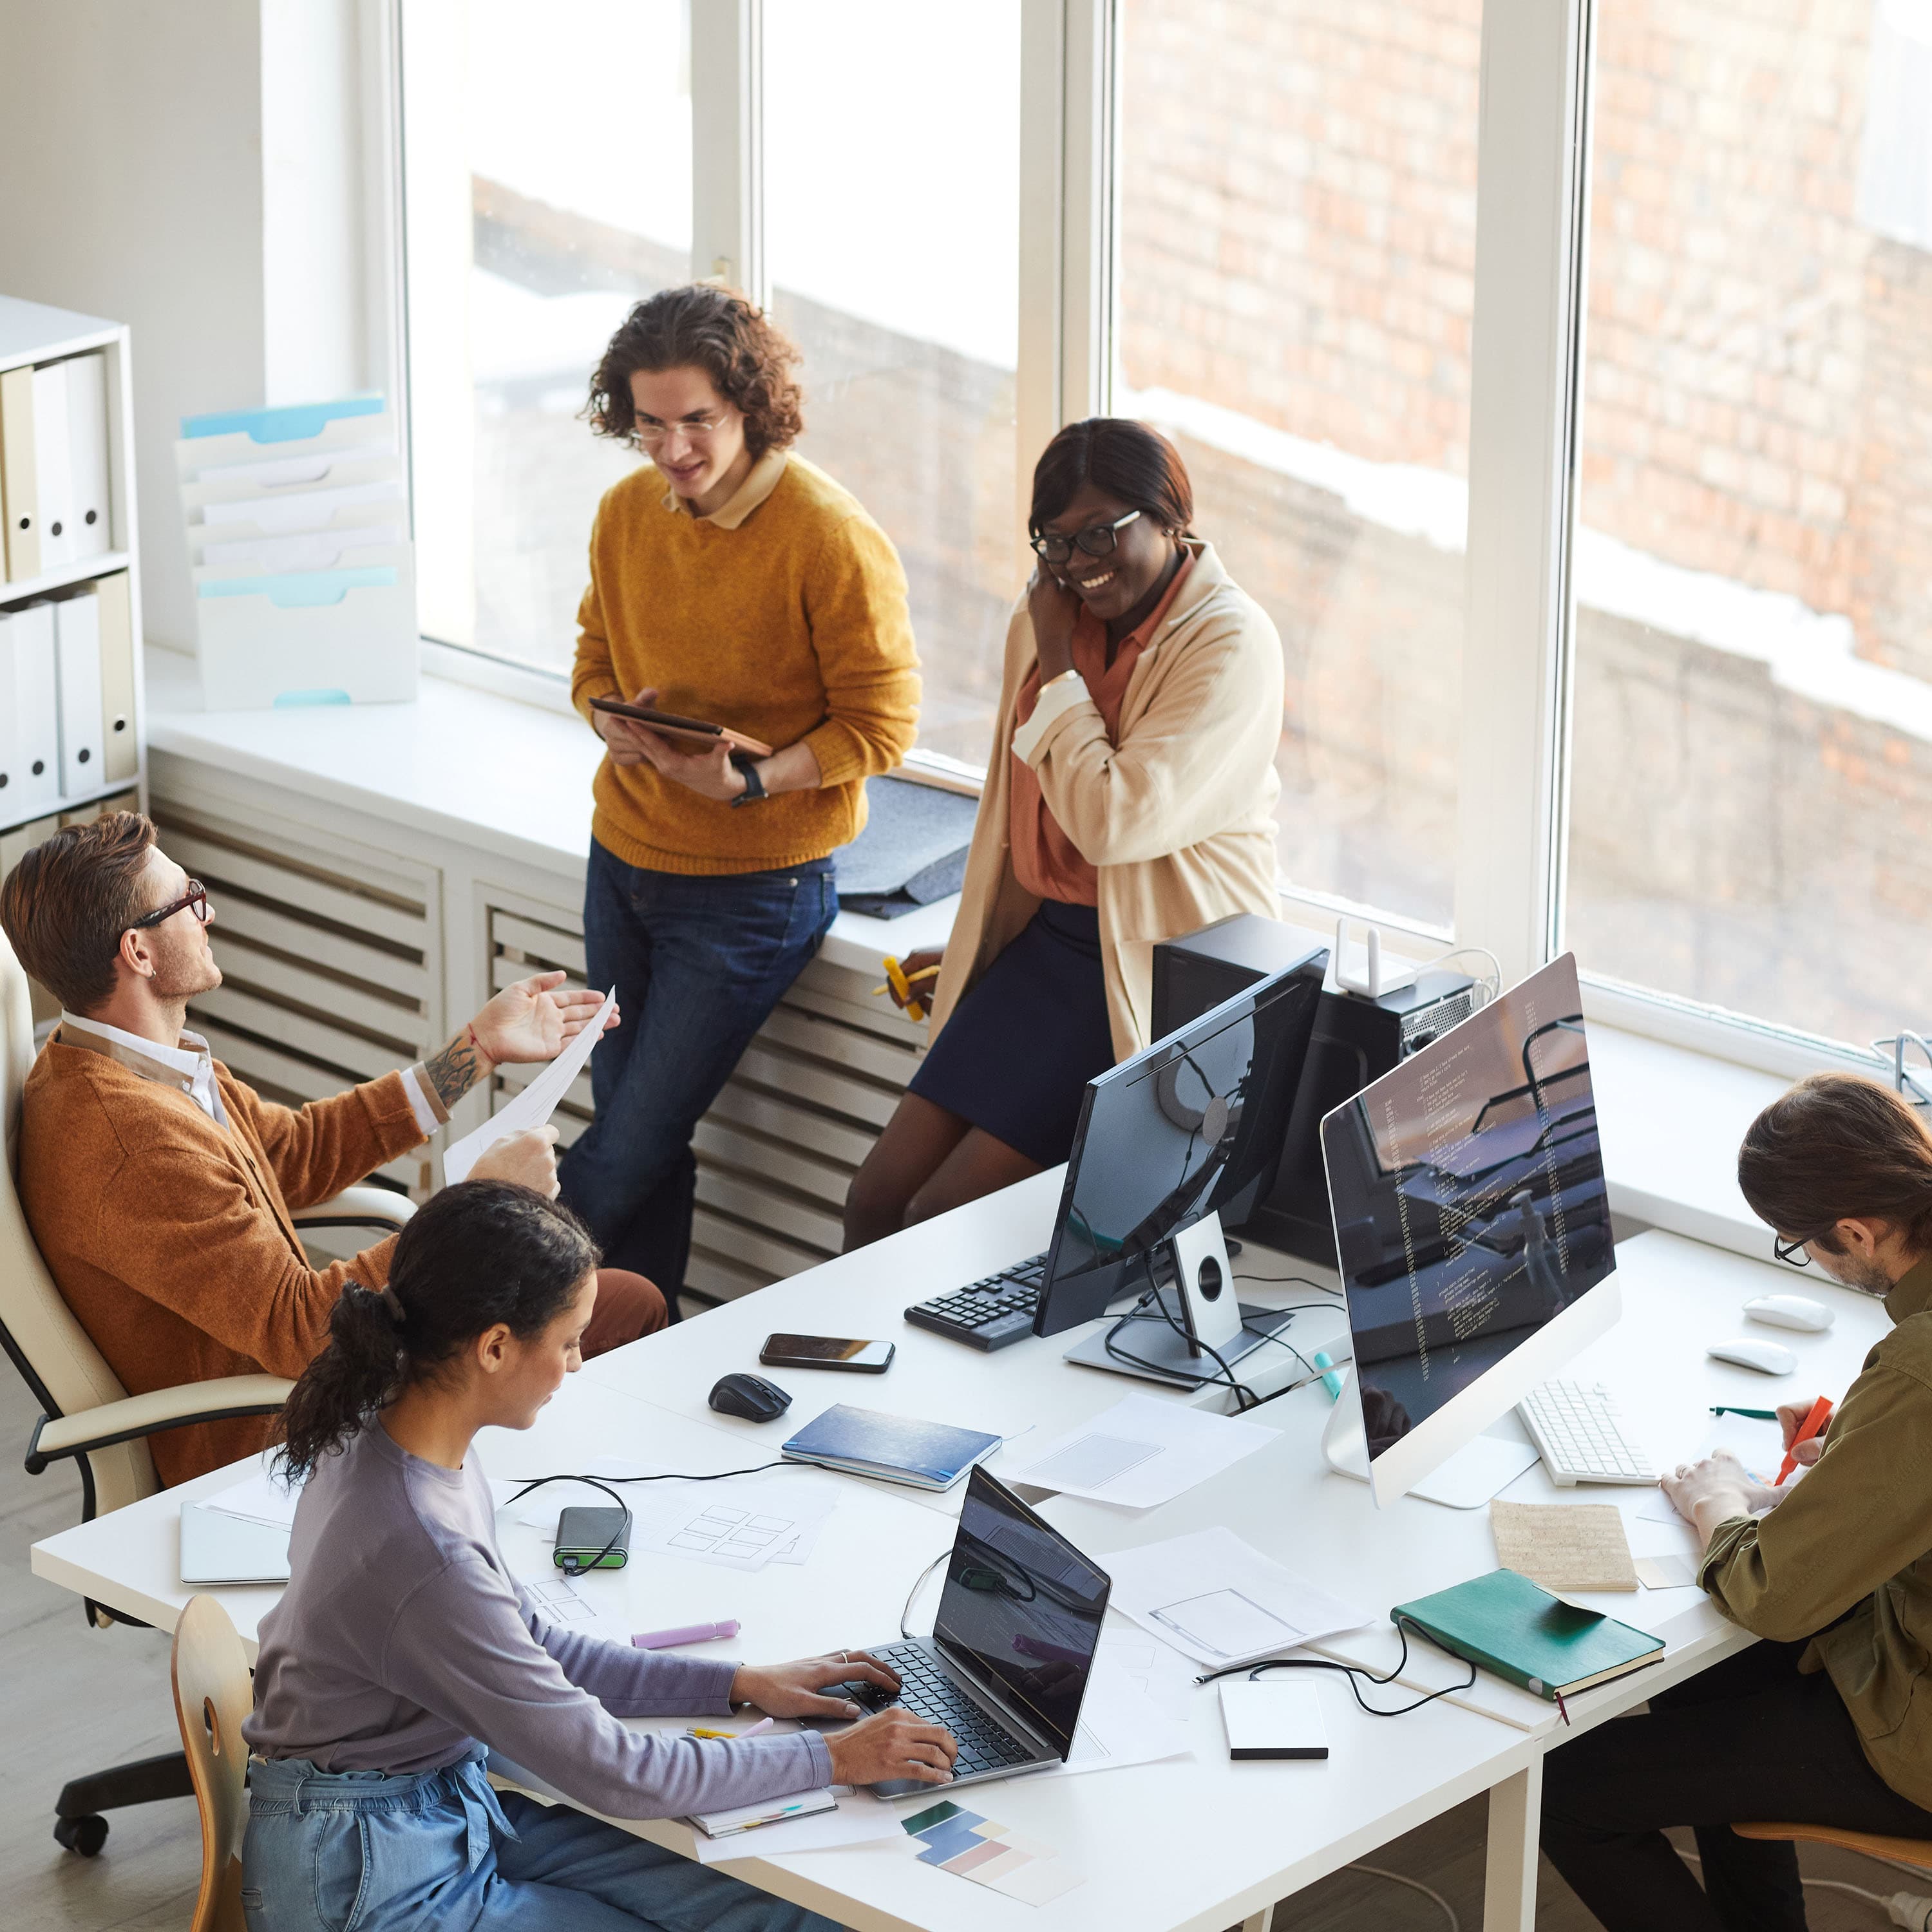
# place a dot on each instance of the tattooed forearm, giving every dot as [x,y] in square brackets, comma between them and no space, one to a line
[457,1069]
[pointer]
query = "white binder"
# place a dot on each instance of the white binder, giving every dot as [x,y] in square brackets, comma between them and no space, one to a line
[53,466]
[29,716]
[77,653]
[120,745]
[87,454]
[20,492]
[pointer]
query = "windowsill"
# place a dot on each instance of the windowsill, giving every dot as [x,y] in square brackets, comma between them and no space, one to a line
[483,771]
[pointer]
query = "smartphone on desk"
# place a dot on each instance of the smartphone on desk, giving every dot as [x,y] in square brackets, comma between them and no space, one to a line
[827,1351]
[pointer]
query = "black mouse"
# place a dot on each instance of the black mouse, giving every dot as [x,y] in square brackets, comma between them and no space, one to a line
[750,1397]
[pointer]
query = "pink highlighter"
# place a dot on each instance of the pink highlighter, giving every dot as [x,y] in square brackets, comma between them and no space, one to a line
[667,1639]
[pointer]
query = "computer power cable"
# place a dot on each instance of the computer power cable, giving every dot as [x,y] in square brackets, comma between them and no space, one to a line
[1413,1884]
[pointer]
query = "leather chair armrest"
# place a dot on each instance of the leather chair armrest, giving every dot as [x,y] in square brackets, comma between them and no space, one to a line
[150,1414]
[358,1207]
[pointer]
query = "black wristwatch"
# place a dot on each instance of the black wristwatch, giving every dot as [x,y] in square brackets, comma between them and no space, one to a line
[754,786]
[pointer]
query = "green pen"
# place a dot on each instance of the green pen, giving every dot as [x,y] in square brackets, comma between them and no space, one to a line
[1756,1415]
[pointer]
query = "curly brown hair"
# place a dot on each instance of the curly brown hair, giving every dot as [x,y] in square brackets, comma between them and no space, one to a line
[748,357]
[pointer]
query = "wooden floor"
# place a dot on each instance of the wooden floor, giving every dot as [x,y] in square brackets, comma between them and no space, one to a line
[75,1700]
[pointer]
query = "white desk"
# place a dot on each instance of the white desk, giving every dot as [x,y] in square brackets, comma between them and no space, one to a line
[1243,1835]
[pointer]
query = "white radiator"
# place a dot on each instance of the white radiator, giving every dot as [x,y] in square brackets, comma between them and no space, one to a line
[778,1151]
[331,960]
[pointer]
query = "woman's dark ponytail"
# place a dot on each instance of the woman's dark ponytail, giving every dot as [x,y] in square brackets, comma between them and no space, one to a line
[483,1252]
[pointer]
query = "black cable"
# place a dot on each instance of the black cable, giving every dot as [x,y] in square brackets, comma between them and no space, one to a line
[572,1569]
[1292,1280]
[1403,1625]
[1245,1398]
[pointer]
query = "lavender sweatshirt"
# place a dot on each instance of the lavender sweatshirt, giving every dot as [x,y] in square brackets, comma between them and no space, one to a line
[403,1639]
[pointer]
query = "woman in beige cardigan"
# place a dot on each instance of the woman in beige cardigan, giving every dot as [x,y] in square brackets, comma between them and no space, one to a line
[1130,799]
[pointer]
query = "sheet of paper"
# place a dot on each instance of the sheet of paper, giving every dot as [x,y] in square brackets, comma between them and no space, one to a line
[973,1846]
[1220,1601]
[259,1498]
[860,1819]
[558,1599]
[1563,1546]
[1120,1724]
[740,1524]
[1142,1453]
[1666,1573]
[533,1105]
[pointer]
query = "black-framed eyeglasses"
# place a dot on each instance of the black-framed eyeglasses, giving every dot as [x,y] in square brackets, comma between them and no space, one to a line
[196,895]
[1096,540]
[1793,1253]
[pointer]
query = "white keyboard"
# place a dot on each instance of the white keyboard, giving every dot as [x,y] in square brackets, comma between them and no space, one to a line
[1576,1428]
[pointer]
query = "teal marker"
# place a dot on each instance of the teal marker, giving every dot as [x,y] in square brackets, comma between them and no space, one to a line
[1756,1415]
[1331,1381]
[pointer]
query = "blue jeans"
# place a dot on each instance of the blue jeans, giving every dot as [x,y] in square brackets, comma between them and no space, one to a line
[366,1852]
[698,961]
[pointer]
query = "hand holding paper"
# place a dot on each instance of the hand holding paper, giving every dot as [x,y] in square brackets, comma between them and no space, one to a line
[536,1018]
[546,1017]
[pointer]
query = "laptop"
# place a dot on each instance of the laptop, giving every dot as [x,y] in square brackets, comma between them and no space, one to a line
[218,1548]
[1007,1667]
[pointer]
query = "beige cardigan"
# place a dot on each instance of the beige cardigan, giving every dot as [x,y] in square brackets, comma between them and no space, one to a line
[1178,818]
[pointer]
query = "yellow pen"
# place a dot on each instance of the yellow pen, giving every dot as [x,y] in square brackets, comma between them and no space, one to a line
[898,981]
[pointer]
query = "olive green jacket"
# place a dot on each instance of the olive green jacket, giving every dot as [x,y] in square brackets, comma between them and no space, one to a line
[1846,1558]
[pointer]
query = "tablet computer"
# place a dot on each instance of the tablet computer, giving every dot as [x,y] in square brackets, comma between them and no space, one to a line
[687,731]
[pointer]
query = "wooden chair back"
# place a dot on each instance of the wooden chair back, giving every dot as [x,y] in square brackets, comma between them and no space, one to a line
[1905,1851]
[213,1694]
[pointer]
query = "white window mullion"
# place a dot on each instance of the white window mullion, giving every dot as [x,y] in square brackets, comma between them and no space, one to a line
[727,144]
[1526,357]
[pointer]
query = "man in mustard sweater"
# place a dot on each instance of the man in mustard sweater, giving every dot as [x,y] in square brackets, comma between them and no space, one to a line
[730,581]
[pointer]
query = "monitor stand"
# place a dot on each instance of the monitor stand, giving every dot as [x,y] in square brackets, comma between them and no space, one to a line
[1477,1471]
[1201,1306]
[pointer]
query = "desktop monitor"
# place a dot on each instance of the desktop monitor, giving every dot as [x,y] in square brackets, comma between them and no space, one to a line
[1473,1226]
[1192,1127]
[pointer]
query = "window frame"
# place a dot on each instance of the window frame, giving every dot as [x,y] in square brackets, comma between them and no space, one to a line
[1534,155]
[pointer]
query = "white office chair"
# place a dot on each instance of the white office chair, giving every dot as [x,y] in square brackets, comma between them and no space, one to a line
[88,1417]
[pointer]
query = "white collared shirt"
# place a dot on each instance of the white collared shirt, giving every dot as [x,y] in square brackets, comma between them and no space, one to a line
[191,1059]
[194,1064]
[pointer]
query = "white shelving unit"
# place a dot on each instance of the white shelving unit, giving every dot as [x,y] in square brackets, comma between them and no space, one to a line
[31,332]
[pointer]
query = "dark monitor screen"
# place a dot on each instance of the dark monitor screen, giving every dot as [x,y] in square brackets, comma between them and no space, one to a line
[1194,1125]
[1469,1201]
[1022,1605]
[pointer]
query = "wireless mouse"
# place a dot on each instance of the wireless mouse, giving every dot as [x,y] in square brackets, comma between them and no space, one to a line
[1790,1311]
[1769,1358]
[750,1396]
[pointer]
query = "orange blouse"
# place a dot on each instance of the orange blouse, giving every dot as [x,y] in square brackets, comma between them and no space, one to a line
[1046,862]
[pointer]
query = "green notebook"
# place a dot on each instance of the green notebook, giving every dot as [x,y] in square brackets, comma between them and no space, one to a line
[1509,1625]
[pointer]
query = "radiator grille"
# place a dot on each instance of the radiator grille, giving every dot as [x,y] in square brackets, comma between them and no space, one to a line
[778,1150]
[329,962]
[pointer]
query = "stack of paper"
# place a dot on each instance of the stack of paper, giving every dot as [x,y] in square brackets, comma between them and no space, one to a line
[298,533]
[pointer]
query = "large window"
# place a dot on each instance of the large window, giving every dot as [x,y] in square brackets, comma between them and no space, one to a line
[1293,300]
[547,178]
[1752,777]
[892,241]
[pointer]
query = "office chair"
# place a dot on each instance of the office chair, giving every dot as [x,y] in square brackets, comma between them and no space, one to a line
[213,1695]
[88,1417]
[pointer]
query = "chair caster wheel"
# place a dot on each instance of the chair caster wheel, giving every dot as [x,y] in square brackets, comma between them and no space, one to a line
[85,1835]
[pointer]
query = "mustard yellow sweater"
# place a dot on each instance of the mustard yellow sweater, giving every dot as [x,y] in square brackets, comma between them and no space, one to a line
[784,616]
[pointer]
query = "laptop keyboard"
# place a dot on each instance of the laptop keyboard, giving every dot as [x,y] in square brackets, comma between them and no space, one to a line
[989,1314]
[928,1692]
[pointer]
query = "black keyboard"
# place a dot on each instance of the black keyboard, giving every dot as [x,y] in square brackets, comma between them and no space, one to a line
[928,1692]
[989,1314]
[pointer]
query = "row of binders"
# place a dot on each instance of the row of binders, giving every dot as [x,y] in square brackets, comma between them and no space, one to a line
[54,487]
[67,698]
[298,541]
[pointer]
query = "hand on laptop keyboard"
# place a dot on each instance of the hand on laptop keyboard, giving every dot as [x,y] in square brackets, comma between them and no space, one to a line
[896,1746]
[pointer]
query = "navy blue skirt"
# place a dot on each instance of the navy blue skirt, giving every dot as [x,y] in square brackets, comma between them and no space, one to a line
[1016,1057]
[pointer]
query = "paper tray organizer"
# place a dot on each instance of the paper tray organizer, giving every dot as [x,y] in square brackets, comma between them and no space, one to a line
[304,576]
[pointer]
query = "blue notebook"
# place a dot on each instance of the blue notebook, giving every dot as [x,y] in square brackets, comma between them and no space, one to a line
[862,1442]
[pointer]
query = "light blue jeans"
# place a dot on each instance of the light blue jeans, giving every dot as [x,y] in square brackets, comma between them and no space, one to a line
[367,1852]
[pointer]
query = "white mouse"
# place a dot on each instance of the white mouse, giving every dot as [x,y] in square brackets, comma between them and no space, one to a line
[1790,1311]
[1769,1358]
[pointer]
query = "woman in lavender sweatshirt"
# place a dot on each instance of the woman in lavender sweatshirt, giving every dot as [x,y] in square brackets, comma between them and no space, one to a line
[403,1650]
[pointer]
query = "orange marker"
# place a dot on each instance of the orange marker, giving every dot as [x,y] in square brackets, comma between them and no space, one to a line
[1821,1414]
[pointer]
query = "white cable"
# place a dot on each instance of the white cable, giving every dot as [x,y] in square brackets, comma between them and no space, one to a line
[1413,1884]
[1826,1884]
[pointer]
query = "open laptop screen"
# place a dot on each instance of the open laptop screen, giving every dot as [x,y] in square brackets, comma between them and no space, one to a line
[1021,1606]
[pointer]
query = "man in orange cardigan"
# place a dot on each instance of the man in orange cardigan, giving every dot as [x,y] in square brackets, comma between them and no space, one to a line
[159,1188]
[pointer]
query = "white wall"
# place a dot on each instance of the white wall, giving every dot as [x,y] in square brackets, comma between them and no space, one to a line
[130,187]
[136,183]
